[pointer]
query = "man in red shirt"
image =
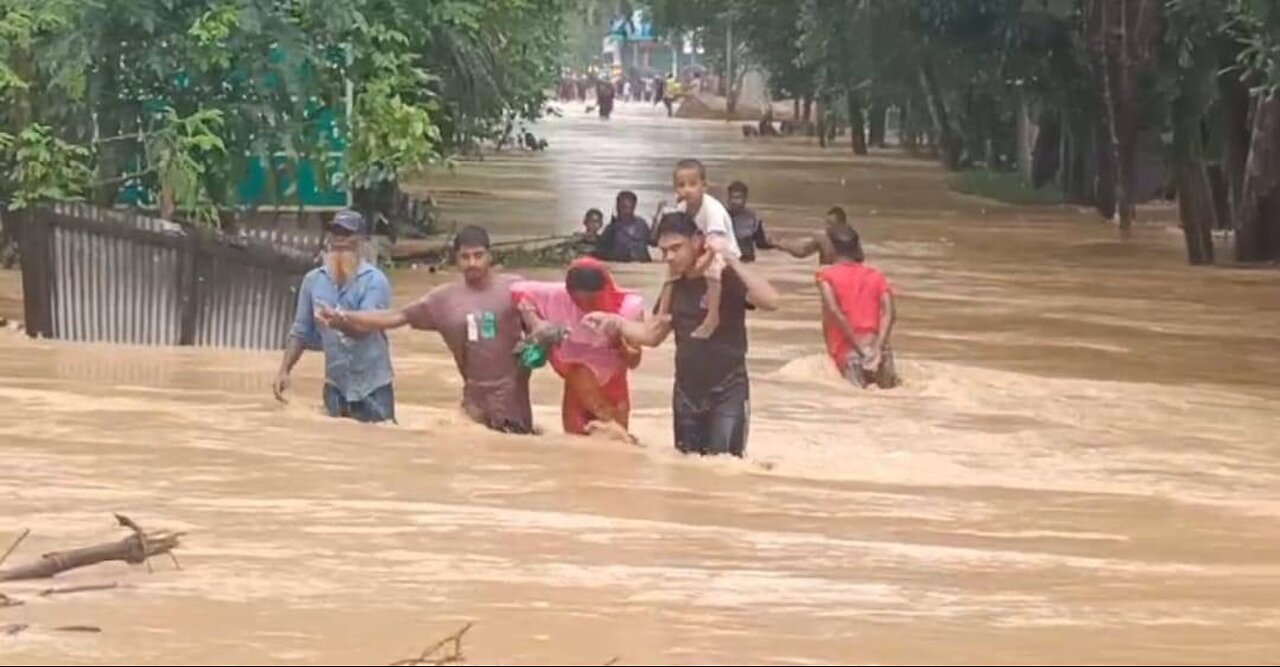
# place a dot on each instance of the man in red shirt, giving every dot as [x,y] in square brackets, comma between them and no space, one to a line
[857,314]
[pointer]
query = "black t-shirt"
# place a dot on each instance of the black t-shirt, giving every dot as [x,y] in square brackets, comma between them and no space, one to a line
[749,229]
[626,241]
[702,364]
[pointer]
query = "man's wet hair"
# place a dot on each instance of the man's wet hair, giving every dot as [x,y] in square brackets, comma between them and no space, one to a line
[584,279]
[839,214]
[471,236]
[593,213]
[846,243]
[628,196]
[678,223]
[690,163]
[738,186]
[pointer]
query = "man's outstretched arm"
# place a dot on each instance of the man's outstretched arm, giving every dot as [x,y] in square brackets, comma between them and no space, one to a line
[649,333]
[363,322]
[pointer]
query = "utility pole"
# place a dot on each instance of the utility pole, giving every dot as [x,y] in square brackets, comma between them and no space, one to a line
[728,59]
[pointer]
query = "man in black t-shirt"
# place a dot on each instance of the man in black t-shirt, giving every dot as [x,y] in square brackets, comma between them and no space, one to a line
[711,397]
[747,225]
[626,237]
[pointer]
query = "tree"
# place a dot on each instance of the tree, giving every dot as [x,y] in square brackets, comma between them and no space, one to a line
[138,85]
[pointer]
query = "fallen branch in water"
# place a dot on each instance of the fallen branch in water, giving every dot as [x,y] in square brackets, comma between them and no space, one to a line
[135,549]
[92,629]
[14,546]
[50,592]
[435,653]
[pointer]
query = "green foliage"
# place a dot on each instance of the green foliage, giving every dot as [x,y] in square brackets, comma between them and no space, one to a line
[44,167]
[177,151]
[389,137]
[1258,28]
[144,80]
[1001,186]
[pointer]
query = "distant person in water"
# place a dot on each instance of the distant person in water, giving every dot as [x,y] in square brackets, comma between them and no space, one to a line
[857,315]
[357,368]
[480,324]
[604,98]
[820,243]
[588,240]
[690,182]
[627,236]
[748,226]
[670,94]
[594,365]
[712,392]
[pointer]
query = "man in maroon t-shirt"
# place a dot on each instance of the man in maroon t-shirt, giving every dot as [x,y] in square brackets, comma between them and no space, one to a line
[481,325]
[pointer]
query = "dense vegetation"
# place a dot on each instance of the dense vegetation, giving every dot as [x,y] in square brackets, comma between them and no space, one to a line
[181,100]
[1131,98]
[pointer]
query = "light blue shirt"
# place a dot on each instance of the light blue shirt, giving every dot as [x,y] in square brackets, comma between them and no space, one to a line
[354,366]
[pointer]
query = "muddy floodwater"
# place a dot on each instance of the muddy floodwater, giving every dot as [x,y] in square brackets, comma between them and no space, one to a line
[1083,464]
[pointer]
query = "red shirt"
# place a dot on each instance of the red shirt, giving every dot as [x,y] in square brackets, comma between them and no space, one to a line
[858,289]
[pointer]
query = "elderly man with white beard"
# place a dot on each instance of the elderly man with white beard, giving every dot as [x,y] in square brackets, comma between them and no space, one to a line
[357,368]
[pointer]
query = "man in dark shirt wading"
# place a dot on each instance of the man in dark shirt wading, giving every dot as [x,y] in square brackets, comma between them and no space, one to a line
[747,225]
[711,397]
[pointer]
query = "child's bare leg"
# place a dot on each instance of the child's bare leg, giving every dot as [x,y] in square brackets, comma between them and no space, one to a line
[712,321]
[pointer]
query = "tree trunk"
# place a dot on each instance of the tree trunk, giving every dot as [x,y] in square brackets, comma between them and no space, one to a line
[1027,140]
[1221,195]
[1195,196]
[1234,117]
[876,123]
[795,109]
[1044,156]
[1104,174]
[821,113]
[857,130]
[943,133]
[1258,216]
[808,110]
[1195,209]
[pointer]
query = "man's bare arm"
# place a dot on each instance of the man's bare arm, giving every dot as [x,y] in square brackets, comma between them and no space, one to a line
[798,248]
[832,308]
[760,292]
[356,323]
[649,333]
[888,317]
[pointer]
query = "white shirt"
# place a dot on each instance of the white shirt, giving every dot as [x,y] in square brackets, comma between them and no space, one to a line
[714,218]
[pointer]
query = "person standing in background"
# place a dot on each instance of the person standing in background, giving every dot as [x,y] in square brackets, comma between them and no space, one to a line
[748,227]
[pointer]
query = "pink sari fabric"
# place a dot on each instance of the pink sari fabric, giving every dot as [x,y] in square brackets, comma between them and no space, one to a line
[583,345]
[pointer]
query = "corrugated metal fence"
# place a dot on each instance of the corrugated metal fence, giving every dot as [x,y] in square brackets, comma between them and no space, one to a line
[92,274]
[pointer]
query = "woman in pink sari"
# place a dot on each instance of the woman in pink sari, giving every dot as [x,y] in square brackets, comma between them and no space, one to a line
[594,366]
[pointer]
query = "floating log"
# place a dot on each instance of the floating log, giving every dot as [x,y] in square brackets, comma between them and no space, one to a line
[135,549]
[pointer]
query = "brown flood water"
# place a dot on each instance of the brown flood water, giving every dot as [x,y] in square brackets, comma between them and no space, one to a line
[1082,466]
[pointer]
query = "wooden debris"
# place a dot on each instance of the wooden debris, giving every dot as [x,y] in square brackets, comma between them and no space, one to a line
[447,651]
[14,546]
[6,601]
[50,592]
[91,629]
[13,628]
[135,549]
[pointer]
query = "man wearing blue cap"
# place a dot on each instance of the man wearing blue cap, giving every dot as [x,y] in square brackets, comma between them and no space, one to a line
[357,368]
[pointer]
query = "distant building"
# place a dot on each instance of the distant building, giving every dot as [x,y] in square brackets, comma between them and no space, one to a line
[631,46]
